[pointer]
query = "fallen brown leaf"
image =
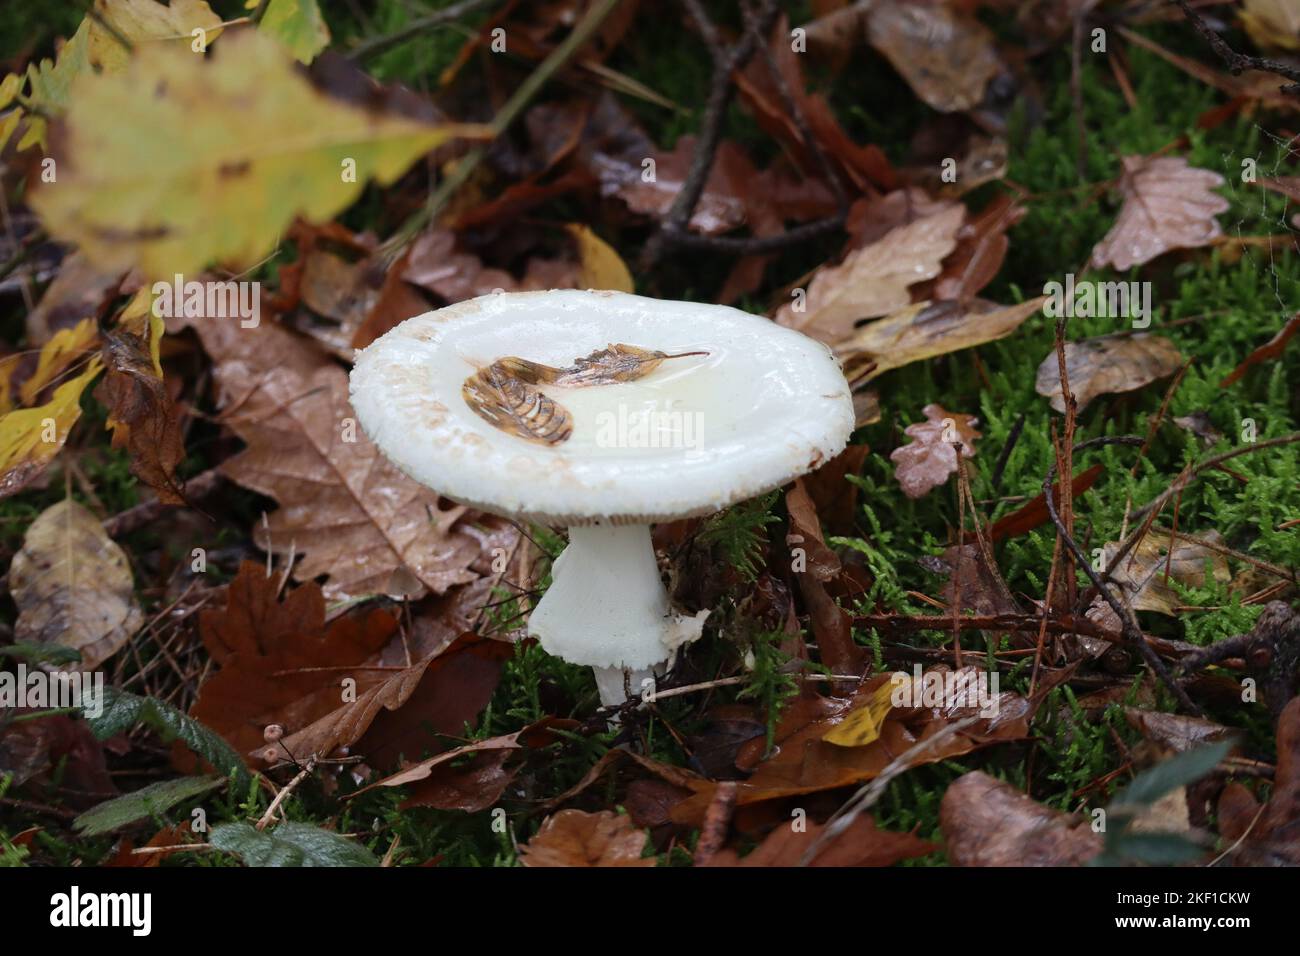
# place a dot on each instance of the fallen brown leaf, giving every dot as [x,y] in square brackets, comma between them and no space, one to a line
[862,844]
[874,280]
[72,585]
[926,329]
[927,462]
[1107,364]
[142,415]
[575,838]
[987,822]
[946,57]
[1141,572]
[1167,205]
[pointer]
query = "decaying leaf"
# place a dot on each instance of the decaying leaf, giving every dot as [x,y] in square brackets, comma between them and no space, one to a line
[874,280]
[504,394]
[73,586]
[862,844]
[927,462]
[946,57]
[990,823]
[1273,24]
[1167,205]
[802,761]
[346,511]
[1141,572]
[142,415]
[575,838]
[1107,364]
[517,408]
[926,329]
[1268,835]
[149,181]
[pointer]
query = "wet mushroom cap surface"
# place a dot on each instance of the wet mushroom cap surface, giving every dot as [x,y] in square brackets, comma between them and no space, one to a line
[693,434]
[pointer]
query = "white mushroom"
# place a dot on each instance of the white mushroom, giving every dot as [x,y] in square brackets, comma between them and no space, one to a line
[510,403]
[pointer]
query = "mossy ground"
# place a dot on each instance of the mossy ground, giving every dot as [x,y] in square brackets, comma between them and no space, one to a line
[1216,304]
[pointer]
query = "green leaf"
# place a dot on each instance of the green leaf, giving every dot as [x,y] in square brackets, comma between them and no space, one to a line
[1149,849]
[297,24]
[1150,785]
[41,653]
[290,844]
[122,711]
[151,801]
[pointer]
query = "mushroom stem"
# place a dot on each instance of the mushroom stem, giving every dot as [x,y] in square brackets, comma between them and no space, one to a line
[607,608]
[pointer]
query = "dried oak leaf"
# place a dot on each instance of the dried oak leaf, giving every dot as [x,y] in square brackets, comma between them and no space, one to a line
[946,57]
[72,585]
[1167,205]
[142,415]
[986,822]
[575,838]
[981,246]
[279,663]
[862,844]
[1107,364]
[831,624]
[927,462]
[345,509]
[1141,572]
[874,280]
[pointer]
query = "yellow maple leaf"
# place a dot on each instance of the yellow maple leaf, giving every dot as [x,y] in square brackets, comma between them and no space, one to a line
[217,161]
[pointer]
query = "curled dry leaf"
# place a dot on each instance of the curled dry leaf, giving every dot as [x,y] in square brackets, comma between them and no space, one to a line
[575,838]
[1167,205]
[514,406]
[1141,572]
[504,394]
[946,57]
[142,415]
[72,585]
[987,822]
[926,329]
[874,280]
[1107,364]
[927,462]
[1177,732]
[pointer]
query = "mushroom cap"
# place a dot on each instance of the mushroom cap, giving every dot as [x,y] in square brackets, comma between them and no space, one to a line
[699,433]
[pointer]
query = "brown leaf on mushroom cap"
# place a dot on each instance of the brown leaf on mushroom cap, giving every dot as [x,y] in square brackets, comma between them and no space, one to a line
[946,57]
[987,822]
[1141,572]
[927,462]
[861,844]
[926,329]
[874,280]
[143,416]
[347,511]
[1167,205]
[72,585]
[575,838]
[1106,364]
[517,408]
